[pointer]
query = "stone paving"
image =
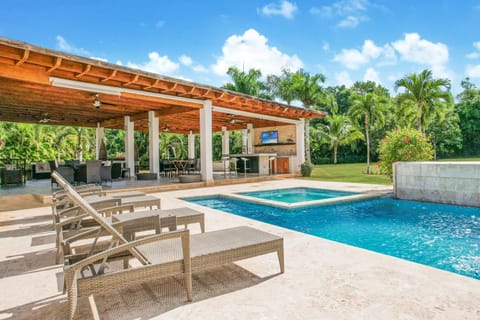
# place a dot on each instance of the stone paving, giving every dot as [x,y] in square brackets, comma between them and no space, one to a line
[323,279]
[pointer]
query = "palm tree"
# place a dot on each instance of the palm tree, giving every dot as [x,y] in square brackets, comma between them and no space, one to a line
[368,107]
[425,93]
[282,86]
[248,83]
[308,90]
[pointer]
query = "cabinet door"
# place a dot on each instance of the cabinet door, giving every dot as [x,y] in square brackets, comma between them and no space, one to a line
[282,165]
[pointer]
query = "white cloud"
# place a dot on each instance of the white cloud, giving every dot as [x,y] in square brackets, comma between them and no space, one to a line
[159,24]
[354,58]
[156,64]
[343,78]
[200,68]
[475,54]
[325,46]
[371,75]
[414,49]
[349,22]
[100,59]
[473,71]
[351,12]
[185,60]
[284,8]
[63,45]
[251,50]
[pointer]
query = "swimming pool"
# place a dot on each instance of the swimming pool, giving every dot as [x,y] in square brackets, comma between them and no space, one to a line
[442,236]
[293,195]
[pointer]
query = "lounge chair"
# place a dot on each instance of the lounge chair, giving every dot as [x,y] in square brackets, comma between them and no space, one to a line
[161,255]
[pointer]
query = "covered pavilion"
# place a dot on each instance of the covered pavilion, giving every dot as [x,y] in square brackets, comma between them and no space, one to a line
[48,86]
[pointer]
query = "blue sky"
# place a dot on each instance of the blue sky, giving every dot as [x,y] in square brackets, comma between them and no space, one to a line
[346,40]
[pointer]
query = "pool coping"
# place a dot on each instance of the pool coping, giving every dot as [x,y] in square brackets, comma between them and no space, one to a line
[300,204]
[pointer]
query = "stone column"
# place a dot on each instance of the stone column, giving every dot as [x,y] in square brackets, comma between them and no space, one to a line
[206,156]
[130,146]
[225,141]
[191,145]
[250,136]
[153,143]
[300,141]
[99,137]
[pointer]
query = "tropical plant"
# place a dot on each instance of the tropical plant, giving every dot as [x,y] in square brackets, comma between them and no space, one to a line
[468,109]
[338,130]
[282,86]
[247,82]
[308,90]
[369,108]
[403,145]
[424,93]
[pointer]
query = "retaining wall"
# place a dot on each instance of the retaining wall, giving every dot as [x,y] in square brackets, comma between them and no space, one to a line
[443,182]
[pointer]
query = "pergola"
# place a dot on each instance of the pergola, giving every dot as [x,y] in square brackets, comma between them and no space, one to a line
[47,86]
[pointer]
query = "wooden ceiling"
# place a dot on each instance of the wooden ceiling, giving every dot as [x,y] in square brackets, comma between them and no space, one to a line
[28,96]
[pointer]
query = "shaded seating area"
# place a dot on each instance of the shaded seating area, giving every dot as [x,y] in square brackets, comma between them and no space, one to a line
[176,252]
[12,171]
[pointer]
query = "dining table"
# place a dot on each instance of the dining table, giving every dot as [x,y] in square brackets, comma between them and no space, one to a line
[180,165]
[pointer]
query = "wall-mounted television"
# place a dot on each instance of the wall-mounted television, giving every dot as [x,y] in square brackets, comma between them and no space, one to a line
[269,137]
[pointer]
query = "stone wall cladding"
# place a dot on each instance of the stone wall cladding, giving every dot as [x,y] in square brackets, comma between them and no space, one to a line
[442,182]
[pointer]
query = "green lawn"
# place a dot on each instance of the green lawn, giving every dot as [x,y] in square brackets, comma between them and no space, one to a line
[462,159]
[349,172]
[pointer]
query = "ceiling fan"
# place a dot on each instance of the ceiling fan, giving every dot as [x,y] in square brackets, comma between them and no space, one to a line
[46,119]
[97,103]
[233,120]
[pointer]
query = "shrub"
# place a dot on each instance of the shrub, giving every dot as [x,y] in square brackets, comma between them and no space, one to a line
[403,145]
[306,169]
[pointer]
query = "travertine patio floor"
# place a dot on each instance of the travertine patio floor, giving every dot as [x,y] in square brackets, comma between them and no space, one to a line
[323,279]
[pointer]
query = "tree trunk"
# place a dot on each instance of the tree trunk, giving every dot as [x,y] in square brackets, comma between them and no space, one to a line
[367,136]
[307,140]
[335,154]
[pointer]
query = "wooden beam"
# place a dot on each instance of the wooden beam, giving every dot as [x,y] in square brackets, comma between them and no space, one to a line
[135,79]
[57,64]
[162,100]
[111,76]
[24,74]
[85,71]
[153,85]
[24,58]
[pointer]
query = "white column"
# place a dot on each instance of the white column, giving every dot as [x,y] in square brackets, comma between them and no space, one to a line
[129,146]
[99,136]
[225,141]
[244,141]
[191,145]
[300,141]
[153,148]
[250,135]
[206,165]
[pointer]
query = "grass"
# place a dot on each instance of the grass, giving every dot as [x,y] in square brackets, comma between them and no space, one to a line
[348,172]
[462,159]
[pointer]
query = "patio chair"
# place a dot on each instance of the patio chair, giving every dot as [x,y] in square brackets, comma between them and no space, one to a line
[160,255]
[93,171]
[106,173]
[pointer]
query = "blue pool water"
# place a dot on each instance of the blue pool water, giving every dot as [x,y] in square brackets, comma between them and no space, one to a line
[293,195]
[441,236]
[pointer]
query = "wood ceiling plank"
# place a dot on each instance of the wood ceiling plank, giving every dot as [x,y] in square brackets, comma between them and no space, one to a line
[111,76]
[84,72]
[24,58]
[57,64]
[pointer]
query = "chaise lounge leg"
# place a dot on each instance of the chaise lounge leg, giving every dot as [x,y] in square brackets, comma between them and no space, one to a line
[281,259]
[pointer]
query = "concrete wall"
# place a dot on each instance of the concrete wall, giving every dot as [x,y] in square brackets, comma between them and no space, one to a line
[443,182]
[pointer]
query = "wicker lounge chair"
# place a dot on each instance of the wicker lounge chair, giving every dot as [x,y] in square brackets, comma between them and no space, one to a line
[161,255]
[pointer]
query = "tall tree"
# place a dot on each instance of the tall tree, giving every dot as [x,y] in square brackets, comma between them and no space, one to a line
[247,82]
[282,86]
[369,108]
[424,93]
[338,130]
[308,90]
[468,109]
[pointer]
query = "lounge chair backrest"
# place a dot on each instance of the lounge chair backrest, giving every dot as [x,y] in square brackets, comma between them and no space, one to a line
[79,201]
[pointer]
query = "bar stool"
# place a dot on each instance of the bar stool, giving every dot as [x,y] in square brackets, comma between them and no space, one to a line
[226,164]
[233,166]
[245,168]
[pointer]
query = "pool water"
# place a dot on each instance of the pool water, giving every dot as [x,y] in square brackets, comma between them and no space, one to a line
[442,236]
[293,195]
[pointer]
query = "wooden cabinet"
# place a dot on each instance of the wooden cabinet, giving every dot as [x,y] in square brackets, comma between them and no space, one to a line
[282,164]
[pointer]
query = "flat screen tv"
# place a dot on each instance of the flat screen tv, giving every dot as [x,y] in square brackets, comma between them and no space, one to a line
[269,137]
